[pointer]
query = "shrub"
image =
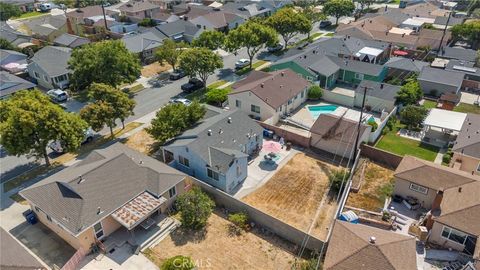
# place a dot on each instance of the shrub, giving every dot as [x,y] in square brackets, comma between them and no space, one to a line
[386,215]
[195,208]
[315,92]
[217,96]
[240,222]
[178,262]
[374,125]
[147,22]
[336,178]
[447,157]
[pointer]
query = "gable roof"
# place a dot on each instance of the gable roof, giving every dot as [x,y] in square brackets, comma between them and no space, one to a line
[333,127]
[45,25]
[88,11]
[14,255]
[12,35]
[350,248]
[441,76]
[431,175]
[10,84]
[141,42]
[441,20]
[178,27]
[52,59]
[468,139]
[217,19]
[274,88]
[137,6]
[225,141]
[72,196]
[403,63]
[458,53]
[71,41]
[246,9]
[379,90]
[9,56]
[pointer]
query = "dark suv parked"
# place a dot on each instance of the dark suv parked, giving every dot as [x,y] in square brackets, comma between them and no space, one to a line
[192,85]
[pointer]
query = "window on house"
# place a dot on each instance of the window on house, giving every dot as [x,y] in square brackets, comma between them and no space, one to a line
[290,101]
[172,192]
[184,161]
[255,108]
[454,235]
[61,78]
[302,94]
[238,103]
[49,218]
[358,76]
[239,171]
[36,75]
[419,188]
[45,78]
[212,174]
[478,167]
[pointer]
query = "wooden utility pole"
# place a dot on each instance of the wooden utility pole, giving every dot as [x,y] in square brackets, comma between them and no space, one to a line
[355,149]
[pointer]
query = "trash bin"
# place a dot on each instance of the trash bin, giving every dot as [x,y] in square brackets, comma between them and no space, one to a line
[30,216]
[289,145]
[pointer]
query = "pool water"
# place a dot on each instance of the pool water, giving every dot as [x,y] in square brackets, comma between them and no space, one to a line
[317,110]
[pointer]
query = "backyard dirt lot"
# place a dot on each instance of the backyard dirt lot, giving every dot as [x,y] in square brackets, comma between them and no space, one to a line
[217,249]
[153,69]
[141,141]
[294,193]
[376,186]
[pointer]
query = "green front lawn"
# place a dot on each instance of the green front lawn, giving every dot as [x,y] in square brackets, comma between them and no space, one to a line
[429,104]
[467,108]
[329,35]
[30,14]
[248,69]
[394,143]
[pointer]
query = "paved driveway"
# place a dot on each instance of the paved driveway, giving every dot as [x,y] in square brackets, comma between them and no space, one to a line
[120,259]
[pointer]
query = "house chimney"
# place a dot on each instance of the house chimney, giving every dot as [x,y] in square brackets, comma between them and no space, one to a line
[437,201]
[209,132]
[403,34]
[459,189]
[381,86]
[262,85]
[229,120]
[99,211]
[283,74]
[372,239]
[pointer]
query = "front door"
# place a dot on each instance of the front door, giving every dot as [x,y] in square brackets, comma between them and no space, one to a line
[98,231]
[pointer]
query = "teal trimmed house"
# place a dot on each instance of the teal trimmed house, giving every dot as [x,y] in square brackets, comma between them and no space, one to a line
[329,70]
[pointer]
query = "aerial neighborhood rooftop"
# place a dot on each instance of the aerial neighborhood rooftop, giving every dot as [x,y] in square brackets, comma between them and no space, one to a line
[240,134]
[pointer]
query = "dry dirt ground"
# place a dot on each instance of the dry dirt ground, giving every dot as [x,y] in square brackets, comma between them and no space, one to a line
[217,249]
[153,69]
[376,186]
[141,141]
[294,193]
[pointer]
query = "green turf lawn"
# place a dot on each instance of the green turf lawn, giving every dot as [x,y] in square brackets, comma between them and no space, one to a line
[429,104]
[467,108]
[402,146]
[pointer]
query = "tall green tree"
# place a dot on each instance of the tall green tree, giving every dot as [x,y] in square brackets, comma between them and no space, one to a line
[338,8]
[98,115]
[170,52]
[29,121]
[107,62]
[410,93]
[200,63]
[8,11]
[5,45]
[173,119]
[364,4]
[288,23]
[252,36]
[313,16]
[210,39]
[120,101]
[468,31]
[195,208]
[413,115]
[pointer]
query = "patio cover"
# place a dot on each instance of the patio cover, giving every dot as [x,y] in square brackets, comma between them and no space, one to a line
[137,210]
[369,51]
[445,119]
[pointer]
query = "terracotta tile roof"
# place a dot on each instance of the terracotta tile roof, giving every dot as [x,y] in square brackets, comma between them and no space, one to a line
[431,175]
[274,88]
[350,248]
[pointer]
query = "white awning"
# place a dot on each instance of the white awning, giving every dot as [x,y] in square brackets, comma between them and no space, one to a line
[445,119]
[369,51]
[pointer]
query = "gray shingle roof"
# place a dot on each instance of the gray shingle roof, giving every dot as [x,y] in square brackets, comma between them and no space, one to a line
[45,25]
[358,66]
[72,196]
[441,76]
[9,56]
[458,53]
[178,27]
[14,255]
[11,35]
[143,41]
[10,84]
[406,64]
[468,139]
[441,20]
[383,91]
[53,60]
[225,142]
[245,9]
[71,41]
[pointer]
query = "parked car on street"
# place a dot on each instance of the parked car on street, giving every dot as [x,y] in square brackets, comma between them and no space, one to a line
[183,101]
[56,146]
[177,75]
[242,63]
[324,24]
[57,95]
[192,85]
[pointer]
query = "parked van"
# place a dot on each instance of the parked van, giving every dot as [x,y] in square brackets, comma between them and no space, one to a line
[45,7]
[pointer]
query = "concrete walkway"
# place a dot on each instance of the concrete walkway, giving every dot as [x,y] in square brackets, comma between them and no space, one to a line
[439,157]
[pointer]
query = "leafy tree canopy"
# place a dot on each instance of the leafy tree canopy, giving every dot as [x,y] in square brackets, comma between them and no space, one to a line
[210,39]
[173,119]
[147,22]
[107,62]
[8,11]
[315,92]
[29,121]
[217,96]
[338,8]
[413,115]
[410,92]
[200,63]
[469,31]
[170,52]
[195,208]
[253,36]
[288,23]
[5,45]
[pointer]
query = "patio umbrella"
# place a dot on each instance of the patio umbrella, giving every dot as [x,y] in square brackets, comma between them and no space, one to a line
[270,146]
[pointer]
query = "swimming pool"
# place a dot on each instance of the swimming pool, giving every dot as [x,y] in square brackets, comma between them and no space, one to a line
[316,110]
